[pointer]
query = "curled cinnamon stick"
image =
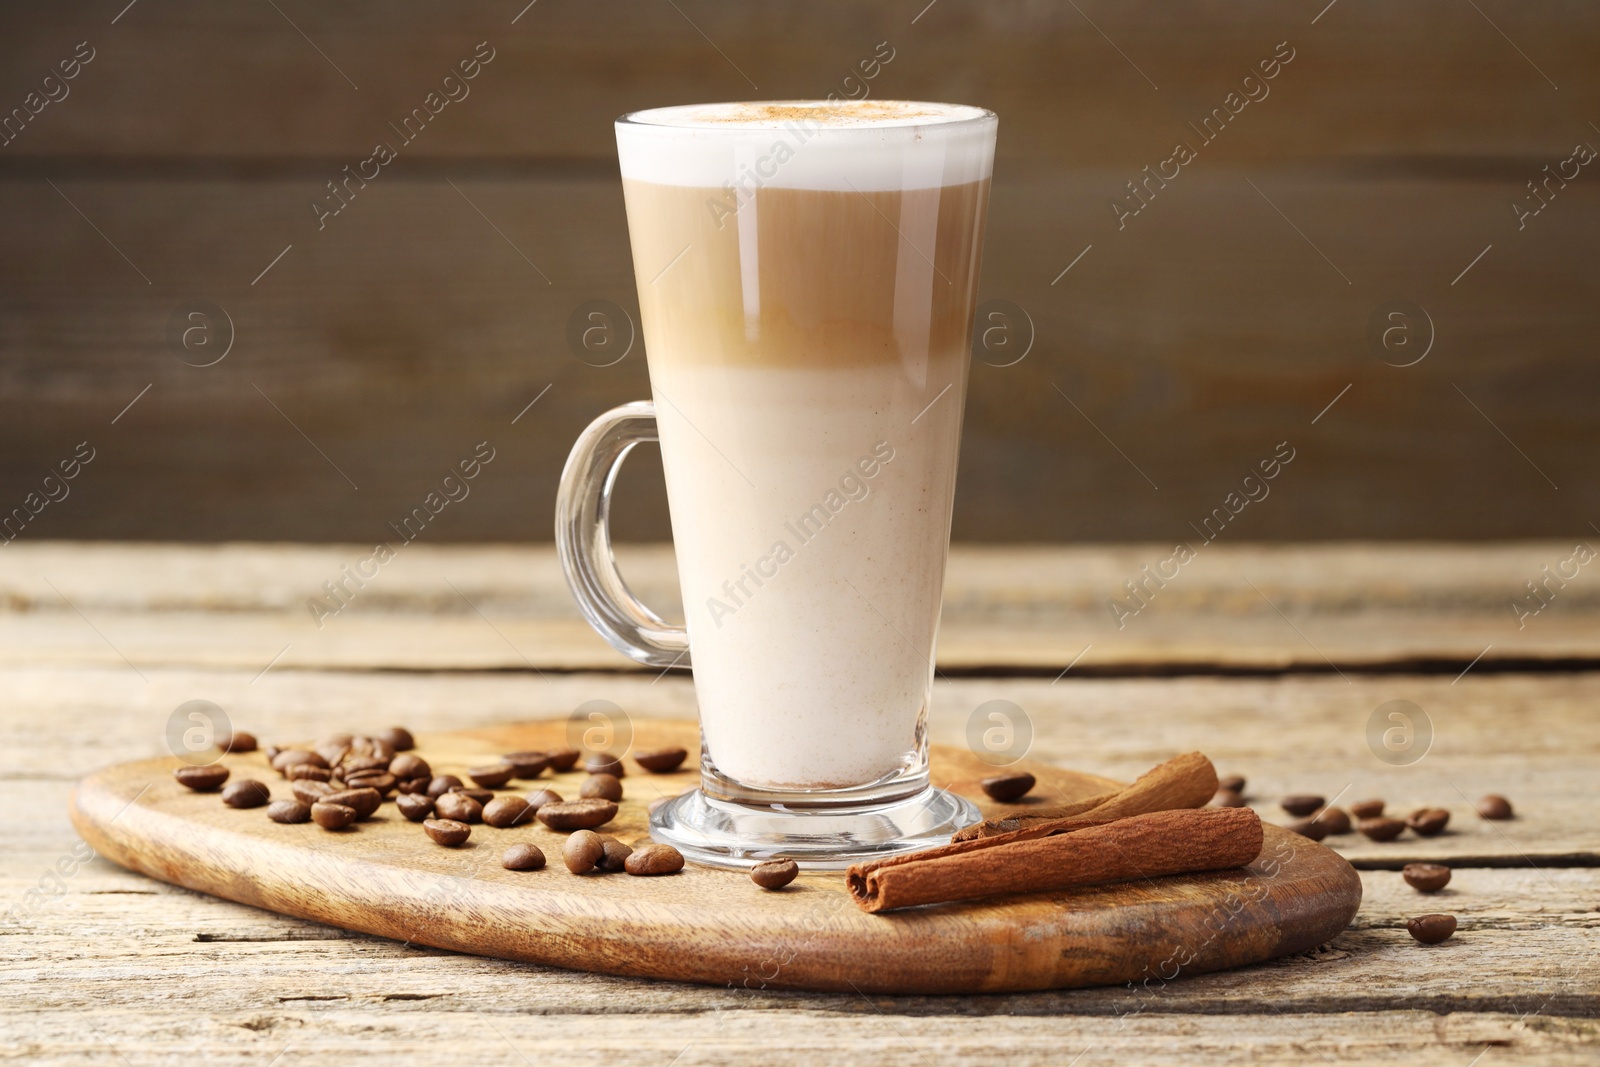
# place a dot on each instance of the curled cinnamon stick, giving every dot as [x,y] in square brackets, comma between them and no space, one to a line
[1186,781]
[1076,852]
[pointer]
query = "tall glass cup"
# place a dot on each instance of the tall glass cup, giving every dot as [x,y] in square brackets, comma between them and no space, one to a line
[806,273]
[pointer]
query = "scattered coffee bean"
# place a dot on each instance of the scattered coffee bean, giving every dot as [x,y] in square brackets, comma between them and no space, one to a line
[522,857]
[442,783]
[1431,929]
[415,806]
[527,765]
[661,760]
[289,811]
[458,807]
[577,814]
[447,832]
[482,796]
[202,779]
[408,765]
[1495,807]
[1334,820]
[543,797]
[291,756]
[653,860]
[1426,877]
[309,790]
[614,855]
[247,793]
[382,781]
[562,759]
[774,874]
[415,785]
[398,738]
[1367,809]
[507,811]
[1233,782]
[604,786]
[1301,804]
[308,772]
[271,752]
[492,777]
[1429,822]
[1381,828]
[240,741]
[353,765]
[1009,787]
[332,816]
[1227,798]
[582,851]
[1311,828]
[603,763]
[365,801]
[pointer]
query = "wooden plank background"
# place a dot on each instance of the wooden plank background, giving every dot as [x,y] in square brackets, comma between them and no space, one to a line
[1221,320]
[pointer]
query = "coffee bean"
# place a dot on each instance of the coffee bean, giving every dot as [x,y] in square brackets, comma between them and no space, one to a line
[291,756]
[240,741]
[615,854]
[458,807]
[409,765]
[353,765]
[527,764]
[341,741]
[502,812]
[398,738]
[333,752]
[271,752]
[370,748]
[442,783]
[661,760]
[653,860]
[202,779]
[309,790]
[578,814]
[1495,807]
[1431,929]
[1009,787]
[415,785]
[332,816]
[582,851]
[415,806]
[774,874]
[1301,804]
[562,759]
[382,781]
[1381,829]
[1334,820]
[247,793]
[1308,828]
[543,797]
[492,777]
[308,772]
[1232,782]
[522,857]
[364,801]
[603,763]
[1367,809]
[1426,877]
[1429,822]
[482,796]
[604,786]
[289,811]
[447,832]
[1227,798]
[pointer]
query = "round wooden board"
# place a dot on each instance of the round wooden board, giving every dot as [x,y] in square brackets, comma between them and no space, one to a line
[706,925]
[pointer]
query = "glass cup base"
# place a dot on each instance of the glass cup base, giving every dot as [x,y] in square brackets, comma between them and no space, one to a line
[727,834]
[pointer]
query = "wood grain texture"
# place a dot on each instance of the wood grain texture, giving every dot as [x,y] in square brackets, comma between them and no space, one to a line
[706,925]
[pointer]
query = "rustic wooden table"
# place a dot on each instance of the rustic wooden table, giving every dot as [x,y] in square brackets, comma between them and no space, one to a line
[1271,659]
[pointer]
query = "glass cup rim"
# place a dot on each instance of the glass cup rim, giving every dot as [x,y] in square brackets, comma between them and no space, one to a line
[980,116]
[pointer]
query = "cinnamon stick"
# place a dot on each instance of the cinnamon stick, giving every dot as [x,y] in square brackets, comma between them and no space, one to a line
[1076,852]
[1186,781]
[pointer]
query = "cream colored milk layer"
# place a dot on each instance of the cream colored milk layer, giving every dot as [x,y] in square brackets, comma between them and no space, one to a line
[807,334]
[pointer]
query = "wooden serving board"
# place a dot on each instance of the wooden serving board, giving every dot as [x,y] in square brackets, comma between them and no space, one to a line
[385,877]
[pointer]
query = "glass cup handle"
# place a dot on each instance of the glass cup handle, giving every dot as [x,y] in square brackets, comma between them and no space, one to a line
[583,540]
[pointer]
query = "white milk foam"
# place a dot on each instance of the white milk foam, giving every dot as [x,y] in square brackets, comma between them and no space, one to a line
[865,145]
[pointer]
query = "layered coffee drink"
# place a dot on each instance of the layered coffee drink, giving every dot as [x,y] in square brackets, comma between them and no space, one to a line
[806,275]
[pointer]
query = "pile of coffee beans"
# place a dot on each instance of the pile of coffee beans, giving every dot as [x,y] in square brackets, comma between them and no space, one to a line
[344,779]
